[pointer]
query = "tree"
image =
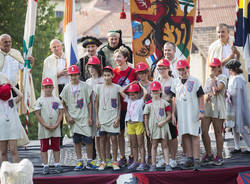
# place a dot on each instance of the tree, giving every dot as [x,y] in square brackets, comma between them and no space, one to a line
[12,17]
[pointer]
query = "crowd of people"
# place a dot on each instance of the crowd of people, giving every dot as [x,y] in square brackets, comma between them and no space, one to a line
[103,94]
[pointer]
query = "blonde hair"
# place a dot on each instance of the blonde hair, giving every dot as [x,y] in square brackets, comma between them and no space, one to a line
[123,51]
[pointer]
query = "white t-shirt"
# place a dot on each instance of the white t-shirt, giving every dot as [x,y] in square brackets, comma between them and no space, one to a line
[173,68]
[134,109]
[226,51]
[11,69]
[61,66]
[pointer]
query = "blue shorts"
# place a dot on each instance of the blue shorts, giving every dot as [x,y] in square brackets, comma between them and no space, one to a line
[103,133]
[79,138]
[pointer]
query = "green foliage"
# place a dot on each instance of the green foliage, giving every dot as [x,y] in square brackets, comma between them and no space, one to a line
[12,22]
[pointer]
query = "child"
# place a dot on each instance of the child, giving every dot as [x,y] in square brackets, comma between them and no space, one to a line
[95,70]
[189,102]
[134,120]
[166,80]
[143,74]
[77,103]
[49,112]
[108,107]
[157,114]
[237,103]
[10,123]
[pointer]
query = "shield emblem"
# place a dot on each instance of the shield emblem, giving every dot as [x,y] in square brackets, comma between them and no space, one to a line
[11,103]
[80,103]
[167,89]
[55,105]
[161,111]
[190,85]
[114,102]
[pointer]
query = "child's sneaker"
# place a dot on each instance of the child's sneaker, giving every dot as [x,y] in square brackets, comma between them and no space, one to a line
[183,159]
[152,168]
[206,160]
[79,166]
[130,159]
[102,166]
[188,164]
[160,163]
[45,169]
[98,162]
[172,163]
[122,162]
[108,163]
[141,167]
[91,165]
[115,166]
[218,161]
[196,165]
[133,166]
[168,168]
[58,168]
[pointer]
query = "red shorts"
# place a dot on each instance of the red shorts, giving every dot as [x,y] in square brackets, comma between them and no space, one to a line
[54,144]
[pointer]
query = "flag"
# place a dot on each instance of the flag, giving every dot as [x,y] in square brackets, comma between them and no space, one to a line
[242,33]
[70,43]
[28,41]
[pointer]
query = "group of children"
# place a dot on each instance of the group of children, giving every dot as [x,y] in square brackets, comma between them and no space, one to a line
[92,110]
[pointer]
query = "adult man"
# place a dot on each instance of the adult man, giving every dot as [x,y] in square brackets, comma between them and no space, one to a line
[90,44]
[11,63]
[222,49]
[55,67]
[114,42]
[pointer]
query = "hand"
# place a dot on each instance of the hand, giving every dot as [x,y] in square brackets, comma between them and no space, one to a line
[161,124]
[90,122]
[98,125]
[64,72]
[173,120]
[70,120]
[148,133]
[117,123]
[208,97]
[201,116]
[215,90]
[32,60]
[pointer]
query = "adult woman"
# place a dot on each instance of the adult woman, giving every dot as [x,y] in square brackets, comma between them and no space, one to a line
[123,75]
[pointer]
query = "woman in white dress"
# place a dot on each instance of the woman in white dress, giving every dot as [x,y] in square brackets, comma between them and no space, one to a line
[10,123]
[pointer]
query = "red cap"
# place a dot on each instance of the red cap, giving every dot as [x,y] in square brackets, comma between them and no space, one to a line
[182,64]
[47,82]
[108,67]
[142,66]
[73,69]
[5,92]
[133,88]
[215,62]
[164,63]
[155,86]
[93,60]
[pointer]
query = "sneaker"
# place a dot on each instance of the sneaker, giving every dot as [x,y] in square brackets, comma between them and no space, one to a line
[218,161]
[79,166]
[183,159]
[206,160]
[102,166]
[235,151]
[196,165]
[152,168]
[160,163]
[58,169]
[133,166]
[115,166]
[108,163]
[130,160]
[91,165]
[149,161]
[122,162]
[172,163]
[98,162]
[141,167]
[168,168]
[188,164]
[45,170]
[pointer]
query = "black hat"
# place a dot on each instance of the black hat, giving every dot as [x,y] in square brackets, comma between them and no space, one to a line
[233,63]
[90,40]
